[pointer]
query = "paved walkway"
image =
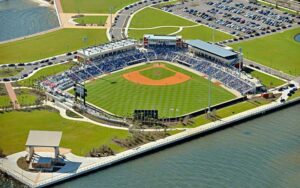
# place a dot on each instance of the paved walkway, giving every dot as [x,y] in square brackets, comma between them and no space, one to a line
[12,95]
[269,70]
[76,165]
[158,27]
[62,112]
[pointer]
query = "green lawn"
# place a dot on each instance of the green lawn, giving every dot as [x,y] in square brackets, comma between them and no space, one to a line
[227,111]
[152,17]
[161,18]
[26,97]
[204,33]
[279,7]
[157,73]
[266,80]
[43,73]
[79,136]
[120,96]
[4,101]
[49,44]
[295,95]
[94,6]
[138,34]
[279,51]
[99,20]
[8,72]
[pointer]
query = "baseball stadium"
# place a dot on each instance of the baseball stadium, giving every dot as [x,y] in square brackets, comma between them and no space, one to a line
[165,74]
[103,81]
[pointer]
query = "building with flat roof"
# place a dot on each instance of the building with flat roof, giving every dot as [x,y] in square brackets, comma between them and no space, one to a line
[162,40]
[107,49]
[214,52]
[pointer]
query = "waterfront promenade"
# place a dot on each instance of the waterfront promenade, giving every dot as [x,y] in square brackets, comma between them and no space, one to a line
[76,166]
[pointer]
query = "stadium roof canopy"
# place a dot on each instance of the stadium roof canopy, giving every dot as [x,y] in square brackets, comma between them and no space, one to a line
[161,37]
[211,48]
[44,138]
[107,48]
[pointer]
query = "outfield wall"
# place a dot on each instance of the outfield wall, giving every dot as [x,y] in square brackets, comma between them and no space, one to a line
[215,107]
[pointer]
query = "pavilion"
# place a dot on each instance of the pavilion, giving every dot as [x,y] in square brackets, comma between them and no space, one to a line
[43,139]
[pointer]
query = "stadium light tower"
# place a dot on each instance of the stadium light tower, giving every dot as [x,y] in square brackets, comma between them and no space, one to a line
[213,36]
[209,93]
[111,17]
[84,39]
[213,32]
[240,60]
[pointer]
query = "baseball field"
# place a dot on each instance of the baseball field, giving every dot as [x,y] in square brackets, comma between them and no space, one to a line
[170,89]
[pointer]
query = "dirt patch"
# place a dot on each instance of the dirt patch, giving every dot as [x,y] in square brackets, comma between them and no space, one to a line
[138,78]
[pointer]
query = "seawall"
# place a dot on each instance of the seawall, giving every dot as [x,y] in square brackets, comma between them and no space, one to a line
[160,144]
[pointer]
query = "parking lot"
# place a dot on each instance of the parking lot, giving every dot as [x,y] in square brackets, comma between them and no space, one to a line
[238,17]
[30,68]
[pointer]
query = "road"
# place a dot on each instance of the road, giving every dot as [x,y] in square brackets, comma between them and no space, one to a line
[31,67]
[117,31]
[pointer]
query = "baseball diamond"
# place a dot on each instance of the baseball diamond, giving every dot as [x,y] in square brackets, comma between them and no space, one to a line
[124,91]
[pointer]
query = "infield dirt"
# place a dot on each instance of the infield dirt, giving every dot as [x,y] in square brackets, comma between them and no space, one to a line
[138,78]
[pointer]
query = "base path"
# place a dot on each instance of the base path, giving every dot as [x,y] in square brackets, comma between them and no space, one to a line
[138,78]
[12,95]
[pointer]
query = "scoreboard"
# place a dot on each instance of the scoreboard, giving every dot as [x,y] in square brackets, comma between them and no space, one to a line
[145,114]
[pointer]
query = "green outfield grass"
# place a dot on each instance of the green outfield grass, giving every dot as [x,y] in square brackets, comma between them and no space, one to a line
[79,136]
[120,96]
[94,6]
[99,20]
[279,51]
[204,33]
[43,73]
[50,44]
[157,73]
[138,34]
[266,80]
[152,17]
[7,72]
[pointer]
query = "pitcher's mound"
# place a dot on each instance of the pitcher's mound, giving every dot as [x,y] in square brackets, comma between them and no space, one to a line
[138,78]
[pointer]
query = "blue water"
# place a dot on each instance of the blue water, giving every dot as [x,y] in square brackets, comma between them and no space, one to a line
[264,152]
[19,18]
[297,37]
[260,153]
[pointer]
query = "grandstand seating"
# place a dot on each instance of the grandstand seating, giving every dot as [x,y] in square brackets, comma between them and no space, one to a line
[228,75]
[101,65]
